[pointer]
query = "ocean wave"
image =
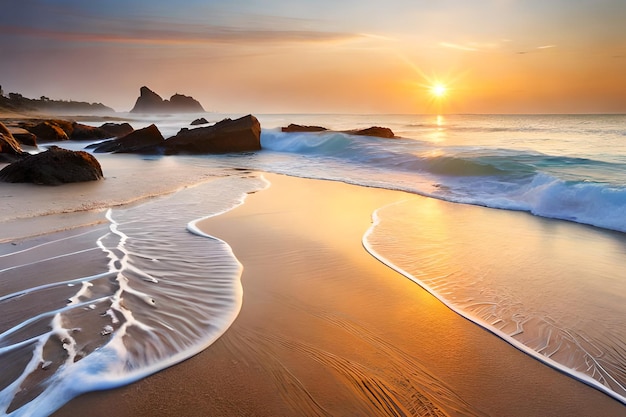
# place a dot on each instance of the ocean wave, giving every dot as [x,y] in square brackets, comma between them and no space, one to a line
[571,188]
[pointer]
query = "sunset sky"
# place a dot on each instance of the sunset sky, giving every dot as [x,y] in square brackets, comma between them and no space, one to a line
[342,56]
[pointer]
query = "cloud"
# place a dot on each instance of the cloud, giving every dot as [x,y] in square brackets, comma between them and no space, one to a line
[183,35]
[473,46]
[457,46]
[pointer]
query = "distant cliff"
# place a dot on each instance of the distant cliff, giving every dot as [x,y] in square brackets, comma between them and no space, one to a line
[17,103]
[151,102]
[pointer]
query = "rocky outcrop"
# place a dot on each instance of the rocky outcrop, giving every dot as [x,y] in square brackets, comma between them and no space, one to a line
[117,130]
[292,128]
[23,136]
[200,121]
[240,135]
[56,130]
[53,167]
[47,131]
[184,104]
[10,149]
[150,102]
[85,132]
[376,131]
[133,142]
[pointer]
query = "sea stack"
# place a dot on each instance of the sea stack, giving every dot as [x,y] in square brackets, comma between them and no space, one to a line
[150,102]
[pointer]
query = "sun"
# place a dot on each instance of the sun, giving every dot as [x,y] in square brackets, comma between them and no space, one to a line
[438,90]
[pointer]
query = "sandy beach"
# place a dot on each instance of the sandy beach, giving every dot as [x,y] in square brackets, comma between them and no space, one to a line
[326,329]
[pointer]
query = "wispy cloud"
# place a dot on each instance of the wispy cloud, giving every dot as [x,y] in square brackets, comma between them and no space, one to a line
[458,46]
[189,34]
[536,49]
[472,46]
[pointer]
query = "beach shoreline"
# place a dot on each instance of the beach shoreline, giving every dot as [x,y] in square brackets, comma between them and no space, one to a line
[326,329]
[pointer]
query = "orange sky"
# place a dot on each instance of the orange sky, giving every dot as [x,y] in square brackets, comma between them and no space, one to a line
[498,56]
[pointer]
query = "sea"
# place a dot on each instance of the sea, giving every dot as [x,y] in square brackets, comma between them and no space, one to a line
[142,288]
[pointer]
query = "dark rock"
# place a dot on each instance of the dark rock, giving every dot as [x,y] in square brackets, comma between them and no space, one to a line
[47,132]
[240,135]
[85,132]
[8,144]
[53,167]
[66,125]
[381,132]
[147,102]
[150,102]
[23,136]
[10,149]
[184,104]
[117,129]
[376,131]
[293,128]
[6,158]
[5,130]
[133,142]
[200,121]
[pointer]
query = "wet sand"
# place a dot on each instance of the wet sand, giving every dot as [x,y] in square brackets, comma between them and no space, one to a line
[326,329]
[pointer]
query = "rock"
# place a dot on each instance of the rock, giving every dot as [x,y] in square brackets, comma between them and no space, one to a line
[66,125]
[47,132]
[292,128]
[53,167]
[85,132]
[23,136]
[240,135]
[200,121]
[184,104]
[10,149]
[117,129]
[377,131]
[381,132]
[133,142]
[147,102]
[5,130]
[9,145]
[150,102]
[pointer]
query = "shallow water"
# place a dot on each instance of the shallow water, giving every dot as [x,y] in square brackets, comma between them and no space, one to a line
[98,307]
[552,288]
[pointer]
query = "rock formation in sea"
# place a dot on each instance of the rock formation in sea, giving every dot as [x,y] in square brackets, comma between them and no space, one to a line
[301,128]
[23,136]
[117,129]
[376,131]
[150,102]
[57,130]
[10,149]
[200,121]
[239,135]
[54,167]
[135,141]
[47,131]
